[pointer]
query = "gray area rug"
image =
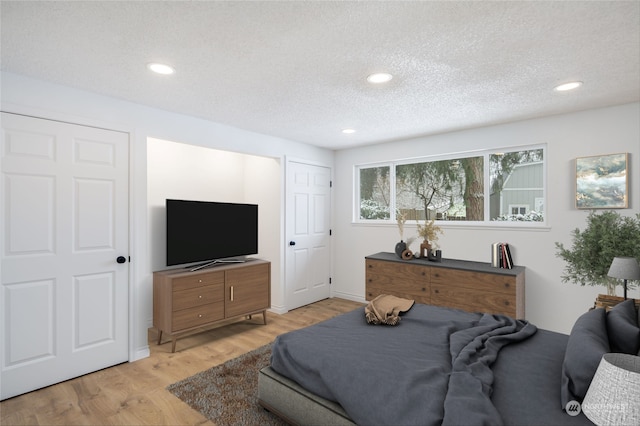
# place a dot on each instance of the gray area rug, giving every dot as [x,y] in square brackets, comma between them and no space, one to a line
[228,393]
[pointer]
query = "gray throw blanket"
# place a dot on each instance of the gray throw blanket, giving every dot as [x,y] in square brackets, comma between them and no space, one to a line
[434,370]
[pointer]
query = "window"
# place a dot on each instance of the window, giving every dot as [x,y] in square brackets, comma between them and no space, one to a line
[375,194]
[482,187]
[443,190]
[518,209]
[517,182]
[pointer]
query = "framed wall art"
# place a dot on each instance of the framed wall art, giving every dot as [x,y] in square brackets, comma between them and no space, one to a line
[601,182]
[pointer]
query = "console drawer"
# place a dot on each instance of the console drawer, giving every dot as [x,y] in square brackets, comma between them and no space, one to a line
[185,283]
[199,315]
[197,296]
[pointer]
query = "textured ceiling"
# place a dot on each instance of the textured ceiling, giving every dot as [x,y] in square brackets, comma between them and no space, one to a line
[297,69]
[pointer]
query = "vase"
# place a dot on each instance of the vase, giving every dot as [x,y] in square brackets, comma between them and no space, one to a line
[400,247]
[425,246]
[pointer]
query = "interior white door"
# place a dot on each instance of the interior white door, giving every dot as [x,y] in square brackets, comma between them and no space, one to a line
[65,221]
[308,258]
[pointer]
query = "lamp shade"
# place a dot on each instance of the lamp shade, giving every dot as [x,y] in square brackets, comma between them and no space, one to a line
[613,398]
[624,268]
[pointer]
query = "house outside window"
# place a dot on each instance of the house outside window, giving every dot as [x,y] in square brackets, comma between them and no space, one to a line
[476,188]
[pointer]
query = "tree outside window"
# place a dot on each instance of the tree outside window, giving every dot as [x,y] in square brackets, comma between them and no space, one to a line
[375,195]
[442,190]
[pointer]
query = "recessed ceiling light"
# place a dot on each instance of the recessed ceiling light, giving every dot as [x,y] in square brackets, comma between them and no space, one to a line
[568,86]
[348,131]
[161,68]
[380,77]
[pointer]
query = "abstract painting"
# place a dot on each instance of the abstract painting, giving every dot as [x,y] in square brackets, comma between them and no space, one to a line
[601,182]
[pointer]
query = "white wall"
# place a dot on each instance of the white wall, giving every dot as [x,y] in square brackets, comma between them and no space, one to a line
[549,303]
[188,172]
[20,94]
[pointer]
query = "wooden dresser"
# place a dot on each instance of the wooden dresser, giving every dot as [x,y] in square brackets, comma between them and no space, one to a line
[471,286]
[185,301]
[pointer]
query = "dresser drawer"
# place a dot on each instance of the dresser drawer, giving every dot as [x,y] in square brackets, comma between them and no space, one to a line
[474,280]
[473,299]
[200,280]
[371,292]
[197,296]
[199,315]
[398,284]
[406,270]
[422,297]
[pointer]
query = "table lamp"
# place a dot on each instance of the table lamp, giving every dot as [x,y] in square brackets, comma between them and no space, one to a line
[624,268]
[613,398]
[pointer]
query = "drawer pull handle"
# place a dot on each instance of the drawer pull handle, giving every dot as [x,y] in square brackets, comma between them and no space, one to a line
[199,281]
[199,297]
[199,315]
[232,293]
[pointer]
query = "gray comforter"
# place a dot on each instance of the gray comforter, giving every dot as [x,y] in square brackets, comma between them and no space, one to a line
[433,368]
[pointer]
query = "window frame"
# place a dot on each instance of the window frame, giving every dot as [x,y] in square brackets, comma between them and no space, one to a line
[485,153]
[357,201]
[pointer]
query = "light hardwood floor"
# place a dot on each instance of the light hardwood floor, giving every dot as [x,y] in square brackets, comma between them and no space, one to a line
[134,393]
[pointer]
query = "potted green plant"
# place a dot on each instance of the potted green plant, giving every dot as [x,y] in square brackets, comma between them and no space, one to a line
[607,235]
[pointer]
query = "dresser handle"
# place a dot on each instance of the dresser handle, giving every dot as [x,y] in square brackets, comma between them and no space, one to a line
[200,297]
[199,315]
[232,293]
[199,281]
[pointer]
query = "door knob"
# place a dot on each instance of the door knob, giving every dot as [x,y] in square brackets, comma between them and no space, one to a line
[121,259]
[292,243]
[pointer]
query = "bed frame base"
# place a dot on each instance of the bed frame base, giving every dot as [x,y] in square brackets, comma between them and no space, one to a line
[295,405]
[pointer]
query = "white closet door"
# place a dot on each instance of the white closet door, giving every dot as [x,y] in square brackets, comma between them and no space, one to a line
[308,259]
[64,221]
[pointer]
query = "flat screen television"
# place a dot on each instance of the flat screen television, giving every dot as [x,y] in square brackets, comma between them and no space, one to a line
[205,231]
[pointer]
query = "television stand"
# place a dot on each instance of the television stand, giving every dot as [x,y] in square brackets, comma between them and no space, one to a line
[189,302]
[214,263]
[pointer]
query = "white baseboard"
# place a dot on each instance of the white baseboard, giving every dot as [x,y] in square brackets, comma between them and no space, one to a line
[348,296]
[278,310]
[140,353]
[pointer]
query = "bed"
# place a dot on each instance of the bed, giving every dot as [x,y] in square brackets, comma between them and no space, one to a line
[440,366]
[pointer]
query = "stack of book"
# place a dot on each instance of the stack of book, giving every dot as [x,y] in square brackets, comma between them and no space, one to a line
[501,256]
